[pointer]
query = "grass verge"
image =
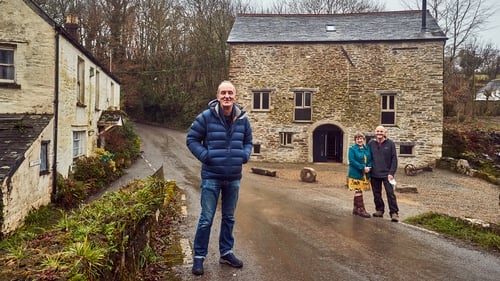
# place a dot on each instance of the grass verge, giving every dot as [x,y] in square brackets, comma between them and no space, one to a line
[484,236]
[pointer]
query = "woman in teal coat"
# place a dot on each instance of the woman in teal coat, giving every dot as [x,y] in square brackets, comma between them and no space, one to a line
[360,162]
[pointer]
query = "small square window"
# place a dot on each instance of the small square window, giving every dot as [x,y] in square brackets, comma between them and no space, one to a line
[256,148]
[286,138]
[261,100]
[406,149]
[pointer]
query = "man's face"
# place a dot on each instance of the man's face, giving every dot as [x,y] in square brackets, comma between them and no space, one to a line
[380,133]
[226,97]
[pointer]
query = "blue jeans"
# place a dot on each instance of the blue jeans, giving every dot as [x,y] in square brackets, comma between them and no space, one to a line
[210,190]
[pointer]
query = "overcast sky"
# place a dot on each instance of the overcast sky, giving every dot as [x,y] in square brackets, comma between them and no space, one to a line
[490,34]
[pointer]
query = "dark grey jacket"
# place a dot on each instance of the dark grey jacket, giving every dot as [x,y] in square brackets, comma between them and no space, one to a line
[384,158]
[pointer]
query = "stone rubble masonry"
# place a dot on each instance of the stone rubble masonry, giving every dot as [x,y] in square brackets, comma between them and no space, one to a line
[347,81]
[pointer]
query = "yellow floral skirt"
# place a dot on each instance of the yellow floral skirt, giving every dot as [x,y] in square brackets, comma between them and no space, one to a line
[356,184]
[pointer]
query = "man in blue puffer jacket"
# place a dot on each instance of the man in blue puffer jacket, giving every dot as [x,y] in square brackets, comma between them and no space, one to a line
[221,138]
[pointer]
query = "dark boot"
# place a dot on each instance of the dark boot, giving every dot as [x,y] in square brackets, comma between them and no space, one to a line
[359,206]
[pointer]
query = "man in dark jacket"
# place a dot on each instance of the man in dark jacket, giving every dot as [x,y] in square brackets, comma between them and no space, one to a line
[384,166]
[221,138]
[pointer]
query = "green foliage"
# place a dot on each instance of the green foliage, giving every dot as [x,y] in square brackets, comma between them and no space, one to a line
[124,144]
[477,146]
[70,192]
[89,259]
[95,171]
[88,243]
[484,237]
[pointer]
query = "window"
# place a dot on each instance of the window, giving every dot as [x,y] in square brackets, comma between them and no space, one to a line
[285,138]
[97,89]
[78,143]
[303,106]
[44,157]
[7,68]
[406,149]
[261,100]
[80,82]
[112,95]
[256,148]
[388,113]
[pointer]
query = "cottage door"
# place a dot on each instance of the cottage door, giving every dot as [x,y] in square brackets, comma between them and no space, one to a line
[327,144]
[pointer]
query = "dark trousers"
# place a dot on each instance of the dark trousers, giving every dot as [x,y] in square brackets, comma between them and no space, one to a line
[389,191]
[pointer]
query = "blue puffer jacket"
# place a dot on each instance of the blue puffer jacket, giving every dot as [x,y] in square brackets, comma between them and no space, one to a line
[222,150]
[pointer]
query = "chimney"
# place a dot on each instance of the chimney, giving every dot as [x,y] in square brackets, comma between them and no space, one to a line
[424,16]
[72,26]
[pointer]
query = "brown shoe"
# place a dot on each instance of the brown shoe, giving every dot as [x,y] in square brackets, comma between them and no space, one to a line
[378,214]
[394,217]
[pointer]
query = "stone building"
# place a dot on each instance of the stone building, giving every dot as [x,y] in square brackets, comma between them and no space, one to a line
[52,95]
[309,82]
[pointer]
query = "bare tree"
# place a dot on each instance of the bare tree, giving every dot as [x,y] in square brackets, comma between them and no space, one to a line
[461,20]
[472,60]
[333,6]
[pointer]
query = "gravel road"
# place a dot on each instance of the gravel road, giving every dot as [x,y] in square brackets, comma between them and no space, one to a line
[440,190]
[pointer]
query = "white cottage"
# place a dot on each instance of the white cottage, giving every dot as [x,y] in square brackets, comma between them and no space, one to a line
[52,95]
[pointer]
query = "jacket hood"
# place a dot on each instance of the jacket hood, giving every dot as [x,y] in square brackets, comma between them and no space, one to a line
[238,109]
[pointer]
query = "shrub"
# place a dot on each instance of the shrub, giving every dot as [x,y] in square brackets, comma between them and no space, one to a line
[124,144]
[70,193]
[95,172]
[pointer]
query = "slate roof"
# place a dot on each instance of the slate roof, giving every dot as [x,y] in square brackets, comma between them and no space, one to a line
[18,132]
[377,26]
[493,87]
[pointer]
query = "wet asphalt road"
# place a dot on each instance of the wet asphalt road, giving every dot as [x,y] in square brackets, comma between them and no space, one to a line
[286,233]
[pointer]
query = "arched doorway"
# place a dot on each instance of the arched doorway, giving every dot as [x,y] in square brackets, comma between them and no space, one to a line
[327,144]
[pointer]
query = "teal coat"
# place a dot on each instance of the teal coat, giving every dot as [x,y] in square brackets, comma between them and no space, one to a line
[357,161]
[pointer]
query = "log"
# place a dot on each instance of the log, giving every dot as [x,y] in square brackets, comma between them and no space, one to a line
[264,172]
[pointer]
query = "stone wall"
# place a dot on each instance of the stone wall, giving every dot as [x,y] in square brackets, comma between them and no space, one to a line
[29,189]
[346,81]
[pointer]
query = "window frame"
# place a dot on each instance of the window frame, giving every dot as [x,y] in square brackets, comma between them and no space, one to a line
[78,143]
[9,65]
[256,148]
[286,138]
[305,106]
[407,145]
[97,90]
[388,108]
[44,157]
[263,97]
[80,82]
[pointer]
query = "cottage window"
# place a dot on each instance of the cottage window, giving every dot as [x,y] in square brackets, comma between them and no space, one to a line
[406,149]
[97,90]
[285,138]
[256,148]
[7,67]
[78,143]
[261,100]
[44,157]
[303,106]
[80,80]
[112,95]
[388,112]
